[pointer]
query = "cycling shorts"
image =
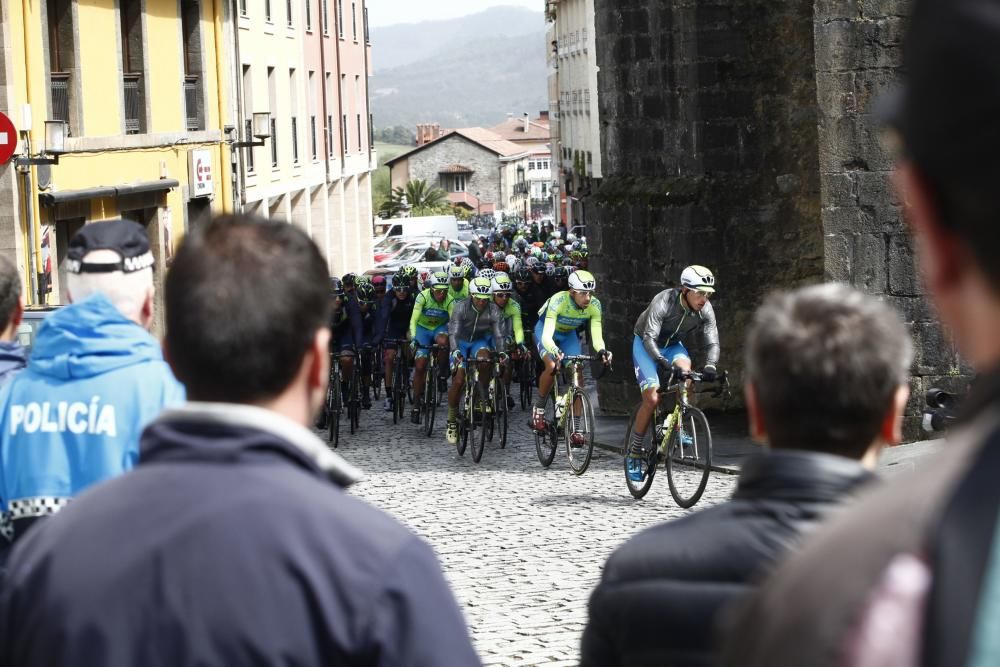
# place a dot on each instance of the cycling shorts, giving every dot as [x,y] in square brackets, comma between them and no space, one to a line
[645,365]
[425,338]
[567,341]
[470,348]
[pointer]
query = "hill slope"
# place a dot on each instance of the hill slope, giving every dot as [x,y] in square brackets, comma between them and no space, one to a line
[476,81]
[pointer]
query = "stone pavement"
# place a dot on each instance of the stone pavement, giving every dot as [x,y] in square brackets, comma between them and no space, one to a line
[521,546]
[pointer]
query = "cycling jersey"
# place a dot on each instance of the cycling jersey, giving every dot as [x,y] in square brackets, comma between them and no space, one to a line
[428,313]
[468,324]
[512,326]
[347,325]
[395,315]
[531,301]
[560,315]
[459,294]
[668,320]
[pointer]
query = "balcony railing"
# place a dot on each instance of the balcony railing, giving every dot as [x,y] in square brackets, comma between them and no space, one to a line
[132,88]
[192,104]
[59,92]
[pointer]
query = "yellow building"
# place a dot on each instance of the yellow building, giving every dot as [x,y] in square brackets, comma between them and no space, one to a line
[138,83]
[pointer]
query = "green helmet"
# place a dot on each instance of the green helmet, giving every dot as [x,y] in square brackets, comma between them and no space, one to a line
[456,271]
[439,280]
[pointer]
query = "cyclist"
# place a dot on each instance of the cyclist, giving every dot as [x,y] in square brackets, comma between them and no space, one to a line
[474,327]
[559,318]
[459,284]
[541,281]
[429,325]
[513,328]
[409,274]
[395,311]
[379,283]
[349,281]
[658,344]
[367,311]
[560,278]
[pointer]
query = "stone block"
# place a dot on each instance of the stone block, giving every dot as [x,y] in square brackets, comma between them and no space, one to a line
[838,189]
[875,189]
[837,250]
[848,220]
[868,263]
[912,308]
[935,354]
[904,279]
[827,10]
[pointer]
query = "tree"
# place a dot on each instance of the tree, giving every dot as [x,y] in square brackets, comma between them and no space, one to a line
[420,197]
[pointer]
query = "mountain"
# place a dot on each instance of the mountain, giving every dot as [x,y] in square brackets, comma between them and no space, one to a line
[473,74]
[408,43]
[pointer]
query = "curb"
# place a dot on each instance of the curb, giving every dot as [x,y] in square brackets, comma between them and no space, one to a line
[620,451]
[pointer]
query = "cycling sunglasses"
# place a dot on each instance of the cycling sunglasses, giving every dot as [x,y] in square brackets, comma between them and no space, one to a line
[707,295]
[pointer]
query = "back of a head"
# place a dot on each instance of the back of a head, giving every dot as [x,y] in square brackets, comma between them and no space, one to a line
[10,291]
[126,291]
[825,363]
[244,300]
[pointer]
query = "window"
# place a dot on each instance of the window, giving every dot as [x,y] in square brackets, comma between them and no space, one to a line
[311,110]
[368,39]
[61,57]
[267,10]
[243,7]
[288,13]
[354,20]
[272,98]
[293,103]
[309,16]
[312,135]
[459,183]
[325,11]
[194,119]
[359,133]
[329,133]
[274,142]
[248,122]
[340,17]
[343,132]
[130,14]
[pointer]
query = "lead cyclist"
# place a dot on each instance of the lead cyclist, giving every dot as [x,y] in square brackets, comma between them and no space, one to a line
[671,318]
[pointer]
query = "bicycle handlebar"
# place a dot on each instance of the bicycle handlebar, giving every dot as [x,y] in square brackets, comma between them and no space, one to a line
[579,358]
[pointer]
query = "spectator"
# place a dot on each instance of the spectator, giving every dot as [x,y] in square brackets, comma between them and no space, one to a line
[432,254]
[826,387]
[12,356]
[96,377]
[910,574]
[445,248]
[233,543]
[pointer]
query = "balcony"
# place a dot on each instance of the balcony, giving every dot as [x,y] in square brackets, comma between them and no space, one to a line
[464,199]
[59,94]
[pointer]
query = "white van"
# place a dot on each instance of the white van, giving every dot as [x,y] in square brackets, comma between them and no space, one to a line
[445,226]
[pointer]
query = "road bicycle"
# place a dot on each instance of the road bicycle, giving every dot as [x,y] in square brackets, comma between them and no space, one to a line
[400,387]
[377,370]
[333,404]
[475,411]
[527,374]
[497,419]
[572,413]
[431,399]
[681,439]
[354,393]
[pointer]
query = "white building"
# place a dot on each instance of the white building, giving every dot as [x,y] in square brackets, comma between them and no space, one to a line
[574,122]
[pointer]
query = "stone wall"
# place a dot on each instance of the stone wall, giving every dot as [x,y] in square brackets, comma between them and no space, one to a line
[485,179]
[739,134]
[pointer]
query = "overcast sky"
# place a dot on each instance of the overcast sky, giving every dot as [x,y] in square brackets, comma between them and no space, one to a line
[388,12]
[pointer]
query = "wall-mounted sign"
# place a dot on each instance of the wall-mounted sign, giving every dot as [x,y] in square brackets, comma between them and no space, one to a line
[201,182]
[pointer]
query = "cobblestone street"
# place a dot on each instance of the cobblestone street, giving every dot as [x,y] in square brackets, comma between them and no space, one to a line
[521,546]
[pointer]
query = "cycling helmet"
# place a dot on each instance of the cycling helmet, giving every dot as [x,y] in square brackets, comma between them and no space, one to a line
[501,284]
[400,280]
[378,282]
[336,286]
[408,271]
[488,256]
[487,274]
[439,280]
[698,278]
[571,238]
[349,279]
[560,272]
[522,276]
[363,279]
[550,268]
[538,267]
[366,292]
[456,272]
[582,281]
[530,262]
[501,267]
[481,288]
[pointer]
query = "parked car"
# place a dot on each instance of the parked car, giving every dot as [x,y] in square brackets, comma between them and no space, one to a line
[27,331]
[414,255]
[392,247]
[465,231]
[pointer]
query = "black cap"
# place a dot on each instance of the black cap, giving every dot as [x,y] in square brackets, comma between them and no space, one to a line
[947,111]
[125,237]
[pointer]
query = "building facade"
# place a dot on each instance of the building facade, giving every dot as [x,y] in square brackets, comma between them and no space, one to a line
[573,105]
[307,63]
[533,135]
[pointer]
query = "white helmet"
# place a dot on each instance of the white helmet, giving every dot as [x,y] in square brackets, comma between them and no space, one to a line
[570,237]
[501,284]
[698,278]
[486,273]
[582,281]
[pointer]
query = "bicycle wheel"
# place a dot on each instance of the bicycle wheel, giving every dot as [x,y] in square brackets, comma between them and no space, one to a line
[579,456]
[546,441]
[354,404]
[377,372]
[639,488]
[689,458]
[501,413]
[430,398]
[481,419]
[333,406]
[464,422]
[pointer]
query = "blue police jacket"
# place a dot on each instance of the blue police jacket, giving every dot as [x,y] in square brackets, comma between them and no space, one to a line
[73,416]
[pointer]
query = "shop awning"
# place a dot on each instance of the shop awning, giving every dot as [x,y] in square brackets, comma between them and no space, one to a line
[102,191]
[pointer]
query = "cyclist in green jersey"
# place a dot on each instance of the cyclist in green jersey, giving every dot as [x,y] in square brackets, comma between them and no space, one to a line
[559,318]
[429,325]
[459,284]
[511,327]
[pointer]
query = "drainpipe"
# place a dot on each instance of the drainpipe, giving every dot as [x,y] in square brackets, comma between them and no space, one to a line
[326,114]
[33,230]
[236,158]
[217,9]
[340,104]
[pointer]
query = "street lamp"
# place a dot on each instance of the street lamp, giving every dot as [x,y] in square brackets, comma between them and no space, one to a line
[261,129]
[55,145]
[478,211]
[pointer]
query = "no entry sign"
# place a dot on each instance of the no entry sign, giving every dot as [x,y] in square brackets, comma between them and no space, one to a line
[8,139]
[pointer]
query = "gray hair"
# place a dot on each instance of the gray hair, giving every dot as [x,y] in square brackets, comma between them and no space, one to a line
[825,363]
[127,291]
[10,290]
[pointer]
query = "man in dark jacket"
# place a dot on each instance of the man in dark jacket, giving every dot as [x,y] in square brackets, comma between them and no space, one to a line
[826,386]
[233,542]
[12,356]
[911,574]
